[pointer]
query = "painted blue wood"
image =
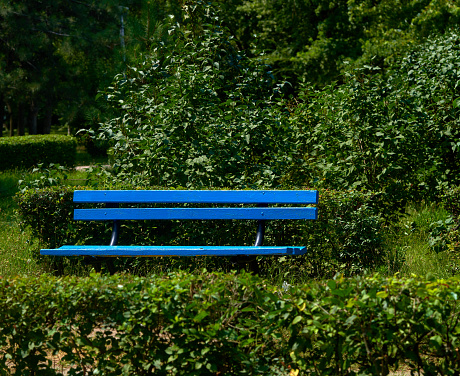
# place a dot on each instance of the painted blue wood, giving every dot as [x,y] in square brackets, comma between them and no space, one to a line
[204,196]
[190,197]
[132,251]
[106,214]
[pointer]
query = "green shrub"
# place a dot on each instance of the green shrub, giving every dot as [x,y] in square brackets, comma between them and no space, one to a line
[369,326]
[43,177]
[196,112]
[48,212]
[347,237]
[394,132]
[212,323]
[124,326]
[28,151]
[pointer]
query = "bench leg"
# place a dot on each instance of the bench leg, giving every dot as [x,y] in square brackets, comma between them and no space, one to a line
[253,266]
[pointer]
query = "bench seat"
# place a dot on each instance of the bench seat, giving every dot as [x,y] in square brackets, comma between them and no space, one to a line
[147,251]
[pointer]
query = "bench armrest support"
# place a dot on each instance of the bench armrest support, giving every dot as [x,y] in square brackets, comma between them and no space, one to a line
[260,229]
[116,226]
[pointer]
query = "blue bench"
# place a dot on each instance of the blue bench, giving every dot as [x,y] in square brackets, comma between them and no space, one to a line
[261,206]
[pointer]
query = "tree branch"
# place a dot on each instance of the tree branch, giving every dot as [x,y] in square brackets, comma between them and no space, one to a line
[53,32]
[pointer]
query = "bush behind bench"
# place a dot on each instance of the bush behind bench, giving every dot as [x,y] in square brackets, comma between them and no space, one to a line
[347,237]
[227,324]
[28,151]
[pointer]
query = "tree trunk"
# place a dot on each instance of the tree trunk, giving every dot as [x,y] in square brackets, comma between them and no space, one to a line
[11,120]
[2,117]
[40,126]
[21,120]
[33,118]
[48,118]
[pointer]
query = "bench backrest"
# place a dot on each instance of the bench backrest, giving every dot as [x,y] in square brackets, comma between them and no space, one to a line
[262,200]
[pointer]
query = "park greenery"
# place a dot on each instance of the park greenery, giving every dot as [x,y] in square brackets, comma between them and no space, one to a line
[358,99]
[227,324]
[55,57]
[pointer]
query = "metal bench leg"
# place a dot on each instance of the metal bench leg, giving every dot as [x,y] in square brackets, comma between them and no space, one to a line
[97,261]
[250,262]
[113,241]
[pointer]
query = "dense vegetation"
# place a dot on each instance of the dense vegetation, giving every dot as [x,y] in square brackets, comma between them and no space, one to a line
[194,111]
[358,99]
[195,103]
[24,152]
[55,58]
[227,324]
[394,131]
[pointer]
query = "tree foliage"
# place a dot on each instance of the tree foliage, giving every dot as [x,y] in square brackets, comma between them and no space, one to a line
[395,132]
[53,57]
[313,39]
[196,112]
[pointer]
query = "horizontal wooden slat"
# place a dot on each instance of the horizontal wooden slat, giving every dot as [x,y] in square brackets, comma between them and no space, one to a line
[131,251]
[200,196]
[106,214]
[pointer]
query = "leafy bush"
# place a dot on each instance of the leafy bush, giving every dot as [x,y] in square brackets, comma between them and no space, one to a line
[196,112]
[124,326]
[43,177]
[395,132]
[212,323]
[28,151]
[369,326]
[347,236]
[49,213]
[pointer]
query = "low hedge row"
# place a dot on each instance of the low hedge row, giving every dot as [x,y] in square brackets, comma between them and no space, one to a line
[28,151]
[227,324]
[347,237]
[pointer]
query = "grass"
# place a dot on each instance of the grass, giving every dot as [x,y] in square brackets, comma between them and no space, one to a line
[16,244]
[409,251]
[85,159]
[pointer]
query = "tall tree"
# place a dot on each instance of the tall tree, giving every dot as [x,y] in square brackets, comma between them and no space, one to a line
[317,39]
[54,55]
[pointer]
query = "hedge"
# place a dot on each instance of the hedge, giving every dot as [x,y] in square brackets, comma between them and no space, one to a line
[28,151]
[227,324]
[347,237]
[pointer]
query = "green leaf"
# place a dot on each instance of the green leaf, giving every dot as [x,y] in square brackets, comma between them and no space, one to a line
[201,316]
[296,320]
[331,284]
[382,294]
[437,340]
